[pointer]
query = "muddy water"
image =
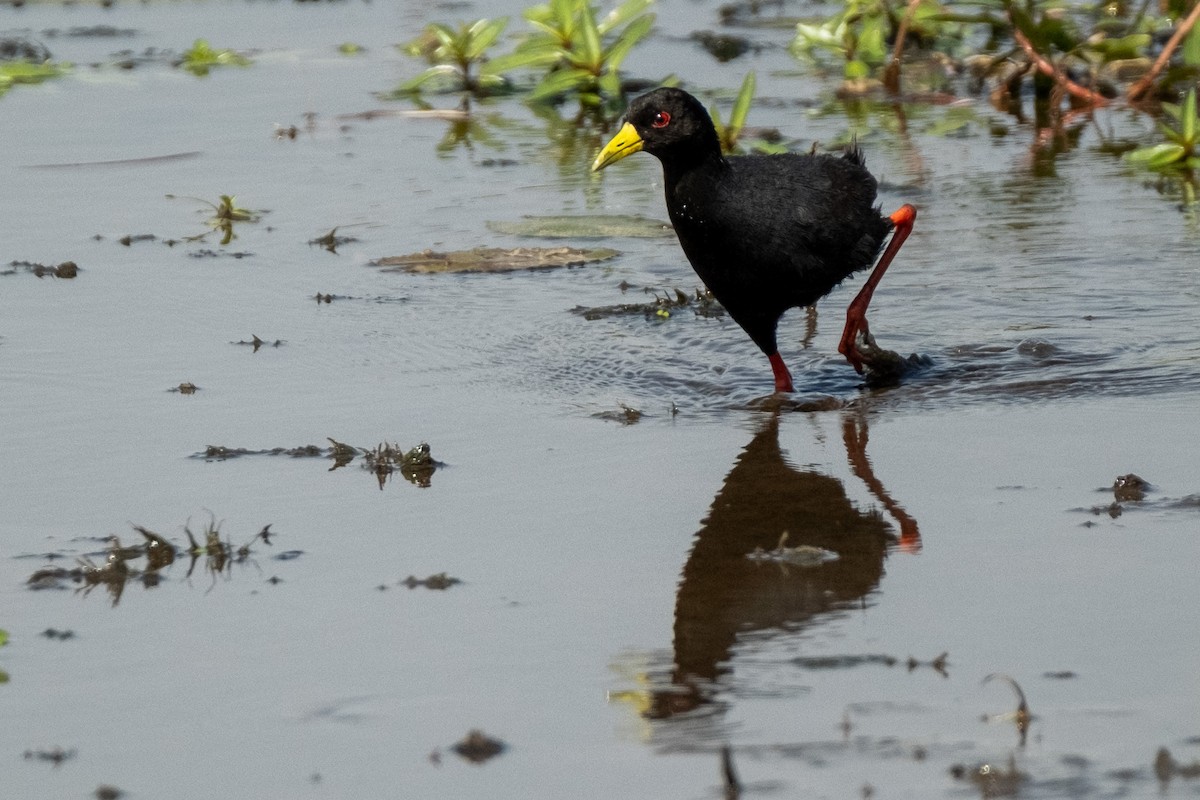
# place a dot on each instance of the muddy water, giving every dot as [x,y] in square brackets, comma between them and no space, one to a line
[626,605]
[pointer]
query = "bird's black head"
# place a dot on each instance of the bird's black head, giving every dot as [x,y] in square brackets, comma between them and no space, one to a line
[667,123]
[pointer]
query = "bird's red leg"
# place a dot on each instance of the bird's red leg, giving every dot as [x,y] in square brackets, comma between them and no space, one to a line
[783,378]
[856,314]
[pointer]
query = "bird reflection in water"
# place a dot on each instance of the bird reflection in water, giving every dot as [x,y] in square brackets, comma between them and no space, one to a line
[727,591]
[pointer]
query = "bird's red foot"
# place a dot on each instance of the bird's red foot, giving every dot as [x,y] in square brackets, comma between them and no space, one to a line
[856,315]
[856,326]
[783,378]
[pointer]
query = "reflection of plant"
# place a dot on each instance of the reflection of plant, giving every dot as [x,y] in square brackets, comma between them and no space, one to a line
[1182,150]
[583,52]
[14,72]
[202,57]
[458,57]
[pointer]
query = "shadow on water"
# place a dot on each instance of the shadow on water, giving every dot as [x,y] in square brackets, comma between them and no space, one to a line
[745,577]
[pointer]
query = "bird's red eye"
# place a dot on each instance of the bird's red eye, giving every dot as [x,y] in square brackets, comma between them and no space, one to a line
[661,120]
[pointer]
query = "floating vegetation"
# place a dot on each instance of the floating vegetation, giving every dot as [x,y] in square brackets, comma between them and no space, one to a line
[415,464]
[700,301]
[202,57]
[331,241]
[187,387]
[440,582]
[258,343]
[23,61]
[67,269]
[583,227]
[494,259]
[624,415]
[477,747]
[226,212]
[3,641]
[118,567]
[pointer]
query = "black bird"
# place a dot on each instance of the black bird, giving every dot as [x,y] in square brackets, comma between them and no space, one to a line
[764,233]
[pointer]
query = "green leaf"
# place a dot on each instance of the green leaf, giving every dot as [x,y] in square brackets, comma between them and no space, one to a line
[518,59]
[483,34]
[415,84]
[622,14]
[741,106]
[630,36]
[562,81]
[3,637]
[1191,47]
[1188,122]
[872,44]
[856,69]
[1158,156]
[588,40]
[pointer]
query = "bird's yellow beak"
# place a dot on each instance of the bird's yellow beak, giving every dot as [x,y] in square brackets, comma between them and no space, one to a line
[626,142]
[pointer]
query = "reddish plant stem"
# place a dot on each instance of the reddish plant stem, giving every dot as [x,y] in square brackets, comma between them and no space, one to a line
[1047,68]
[1139,89]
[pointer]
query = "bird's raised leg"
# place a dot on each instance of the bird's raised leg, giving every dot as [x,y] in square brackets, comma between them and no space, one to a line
[856,314]
[783,378]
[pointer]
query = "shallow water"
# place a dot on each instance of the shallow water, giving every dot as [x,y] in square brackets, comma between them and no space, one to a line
[609,626]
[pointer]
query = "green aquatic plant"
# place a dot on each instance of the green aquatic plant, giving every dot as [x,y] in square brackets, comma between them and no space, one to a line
[1181,151]
[583,52]
[730,133]
[202,57]
[225,213]
[458,57]
[859,35]
[14,72]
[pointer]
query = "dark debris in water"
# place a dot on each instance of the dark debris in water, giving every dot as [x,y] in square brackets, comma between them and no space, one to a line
[187,387]
[416,464]
[54,755]
[660,306]
[66,270]
[1166,767]
[1130,488]
[477,747]
[1130,492]
[992,780]
[118,568]
[54,634]
[937,664]
[723,47]
[494,259]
